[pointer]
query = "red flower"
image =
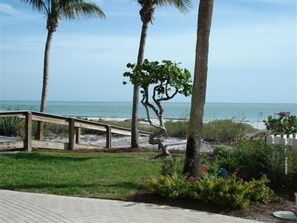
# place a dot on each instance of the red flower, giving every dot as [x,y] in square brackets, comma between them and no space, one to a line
[205,168]
[192,178]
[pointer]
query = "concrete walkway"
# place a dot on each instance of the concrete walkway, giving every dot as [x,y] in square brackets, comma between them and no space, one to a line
[18,207]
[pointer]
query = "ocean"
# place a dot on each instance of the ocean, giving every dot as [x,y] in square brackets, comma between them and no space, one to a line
[250,112]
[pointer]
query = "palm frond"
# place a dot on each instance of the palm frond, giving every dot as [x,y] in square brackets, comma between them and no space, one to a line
[182,5]
[39,5]
[80,9]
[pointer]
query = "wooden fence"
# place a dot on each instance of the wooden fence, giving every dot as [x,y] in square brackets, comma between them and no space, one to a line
[74,131]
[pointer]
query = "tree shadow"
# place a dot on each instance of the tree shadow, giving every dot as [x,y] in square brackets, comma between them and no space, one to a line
[68,186]
[44,157]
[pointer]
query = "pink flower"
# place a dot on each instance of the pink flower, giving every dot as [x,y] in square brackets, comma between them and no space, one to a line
[192,178]
[205,168]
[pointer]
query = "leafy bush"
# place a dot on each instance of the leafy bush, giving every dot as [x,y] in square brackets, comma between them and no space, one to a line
[11,126]
[226,131]
[284,124]
[224,158]
[252,159]
[228,191]
[170,186]
[172,166]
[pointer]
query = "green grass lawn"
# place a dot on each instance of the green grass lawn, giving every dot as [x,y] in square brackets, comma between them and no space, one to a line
[104,175]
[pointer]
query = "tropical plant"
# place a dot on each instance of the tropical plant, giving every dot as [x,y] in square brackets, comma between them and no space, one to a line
[55,10]
[11,126]
[147,15]
[165,80]
[199,88]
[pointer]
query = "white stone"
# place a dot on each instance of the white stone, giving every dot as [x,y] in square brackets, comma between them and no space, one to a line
[286,215]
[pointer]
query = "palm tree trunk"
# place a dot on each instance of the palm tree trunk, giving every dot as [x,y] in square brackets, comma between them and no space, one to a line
[134,131]
[199,89]
[45,71]
[39,133]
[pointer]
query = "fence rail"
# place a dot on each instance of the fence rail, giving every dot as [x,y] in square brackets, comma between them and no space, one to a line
[74,131]
[289,140]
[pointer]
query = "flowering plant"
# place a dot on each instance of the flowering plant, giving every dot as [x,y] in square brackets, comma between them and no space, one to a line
[222,172]
[205,168]
[231,191]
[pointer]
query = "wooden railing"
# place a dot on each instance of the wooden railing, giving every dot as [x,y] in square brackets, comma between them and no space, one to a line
[74,131]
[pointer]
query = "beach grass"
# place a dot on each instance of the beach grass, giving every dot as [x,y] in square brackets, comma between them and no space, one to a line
[103,175]
[217,131]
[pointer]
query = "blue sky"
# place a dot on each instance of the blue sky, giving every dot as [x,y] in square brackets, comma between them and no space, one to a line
[252,51]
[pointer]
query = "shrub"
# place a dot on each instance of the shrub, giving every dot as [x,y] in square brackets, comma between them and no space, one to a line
[284,124]
[177,128]
[224,157]
[218,131]
[226,131]
[252,159]
[228,191]
[172,166]
[173,186]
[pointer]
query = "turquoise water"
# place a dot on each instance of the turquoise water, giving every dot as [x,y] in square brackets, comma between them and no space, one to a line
[239,111]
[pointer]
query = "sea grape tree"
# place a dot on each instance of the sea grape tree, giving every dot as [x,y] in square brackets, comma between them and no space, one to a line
[146,12]
[159,82]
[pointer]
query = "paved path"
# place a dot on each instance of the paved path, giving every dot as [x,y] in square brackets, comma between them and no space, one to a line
[19,207]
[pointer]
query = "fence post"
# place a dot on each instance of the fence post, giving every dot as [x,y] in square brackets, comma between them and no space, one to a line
[71,134]
[77,136]
[108,136]
[28,132]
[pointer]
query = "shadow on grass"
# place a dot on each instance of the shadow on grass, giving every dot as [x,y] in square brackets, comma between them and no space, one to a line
[48,187]
[44,157]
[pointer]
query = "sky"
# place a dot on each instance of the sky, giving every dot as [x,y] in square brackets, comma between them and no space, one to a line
[252,56]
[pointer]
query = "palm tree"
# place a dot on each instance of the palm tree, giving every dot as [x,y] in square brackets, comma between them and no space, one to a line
[199,88]
[54,10]
[147,15]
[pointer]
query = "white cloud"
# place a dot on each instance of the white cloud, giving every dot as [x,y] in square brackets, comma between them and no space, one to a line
[7,9]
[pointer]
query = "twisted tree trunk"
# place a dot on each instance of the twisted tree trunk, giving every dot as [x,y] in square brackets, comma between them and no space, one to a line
[157,139]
